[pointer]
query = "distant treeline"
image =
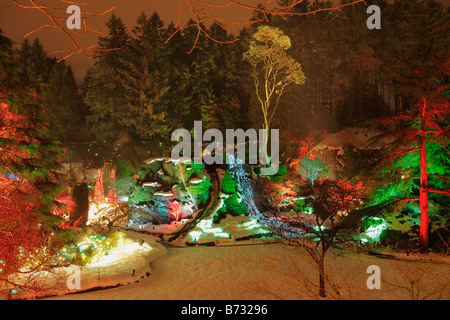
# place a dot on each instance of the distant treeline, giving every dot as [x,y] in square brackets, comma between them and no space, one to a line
[143,86]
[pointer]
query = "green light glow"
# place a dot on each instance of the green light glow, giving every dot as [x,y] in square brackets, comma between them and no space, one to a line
[254,225]
[319,228]
[207,228]
[375,228]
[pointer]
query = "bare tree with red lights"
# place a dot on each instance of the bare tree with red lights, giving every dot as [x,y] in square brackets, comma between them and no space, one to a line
[332,222]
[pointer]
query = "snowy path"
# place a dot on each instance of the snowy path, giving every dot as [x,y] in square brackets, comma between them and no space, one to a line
[260,272]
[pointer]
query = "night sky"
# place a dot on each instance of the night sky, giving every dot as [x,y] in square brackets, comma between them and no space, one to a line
[16,24]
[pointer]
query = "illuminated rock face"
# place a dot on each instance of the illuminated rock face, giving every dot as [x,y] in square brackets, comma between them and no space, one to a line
[155,211]
[164,181]
[143,215]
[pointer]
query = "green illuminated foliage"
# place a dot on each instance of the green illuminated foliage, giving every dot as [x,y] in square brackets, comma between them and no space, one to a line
[91,248]
[200,190]
[373,227]
[124,176]
[228,183]
[235,205]
[313,168]
[141,194]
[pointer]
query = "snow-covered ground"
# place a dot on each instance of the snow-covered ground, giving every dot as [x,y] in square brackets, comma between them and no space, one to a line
[274,271]
[163,228]
[126,264]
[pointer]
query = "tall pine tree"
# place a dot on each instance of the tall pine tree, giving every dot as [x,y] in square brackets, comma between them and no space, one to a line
[105,94]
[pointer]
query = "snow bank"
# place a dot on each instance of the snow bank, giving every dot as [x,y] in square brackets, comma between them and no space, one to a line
[151,184]
[358,137]
[196,181]
[124,265]
[163,194]
[162,228]
[152,160]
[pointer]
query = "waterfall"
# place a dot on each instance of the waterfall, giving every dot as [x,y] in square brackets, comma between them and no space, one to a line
[244,186]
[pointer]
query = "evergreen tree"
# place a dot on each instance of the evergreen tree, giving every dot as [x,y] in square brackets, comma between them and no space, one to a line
[84,112]
[61,103]
[144,81]
[177,73]
[112,47]
[213,94]
[199,103]
[35,65]
[28,181]
[418,70]
[228,183]
[420,150]
[225,79]
[105,95]
[414,37]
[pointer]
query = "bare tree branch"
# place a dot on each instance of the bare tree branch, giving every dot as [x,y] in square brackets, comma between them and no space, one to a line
[201,11]
[57,18]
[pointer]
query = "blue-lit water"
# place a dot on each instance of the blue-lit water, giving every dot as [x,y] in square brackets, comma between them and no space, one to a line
[244,186]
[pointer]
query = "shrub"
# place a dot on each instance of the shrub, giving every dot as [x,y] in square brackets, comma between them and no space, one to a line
[235,205]
[200,190]
[228,183]
[141,194]
[92,248]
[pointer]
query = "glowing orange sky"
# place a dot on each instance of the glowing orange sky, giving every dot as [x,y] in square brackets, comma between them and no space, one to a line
[16,24]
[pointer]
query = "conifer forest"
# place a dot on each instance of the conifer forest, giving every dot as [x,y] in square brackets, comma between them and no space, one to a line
[246,151]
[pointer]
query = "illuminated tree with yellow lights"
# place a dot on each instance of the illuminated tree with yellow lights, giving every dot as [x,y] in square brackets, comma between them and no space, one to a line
[273,71]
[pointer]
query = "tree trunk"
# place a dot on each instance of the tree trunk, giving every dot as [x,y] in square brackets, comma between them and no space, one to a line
[80,195]
[265,142]
[322,274]
[424,224]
